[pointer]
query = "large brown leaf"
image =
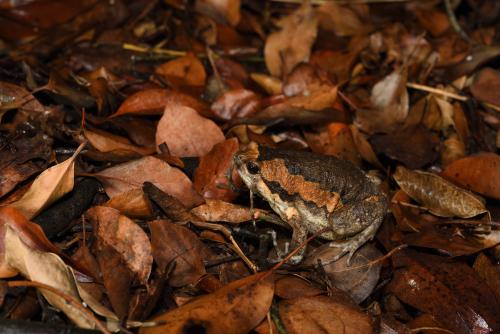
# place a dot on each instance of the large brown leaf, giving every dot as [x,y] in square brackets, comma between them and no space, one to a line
[177,244]
[439,196]
[236,308]
[186,72]
[133,174]
[292,44]
[479,173]
[186,133]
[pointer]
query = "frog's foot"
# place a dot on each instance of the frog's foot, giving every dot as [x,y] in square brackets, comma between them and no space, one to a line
[351,245]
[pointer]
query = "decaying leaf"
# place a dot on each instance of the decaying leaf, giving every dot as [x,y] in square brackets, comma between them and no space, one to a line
[48,187]
[292,44]
[323,314]
[479,173]
[185,72]
[153,102]
[223,311]
[486,85]
[186,133]
[177,244]
[133,174]
[211,177]
[342,20]
[125,237]
[225,11]
[439,196]
[390,105]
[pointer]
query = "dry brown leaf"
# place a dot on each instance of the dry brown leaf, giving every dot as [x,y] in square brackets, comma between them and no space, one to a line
[489,272]
[220,211]
[342,20]
[186,72]
[211,177]
[433,20]
[359,283]
[153,102]
[453,149]
[321,314]
[133,174]
[175,243]
[236,103]
[107,142]
[271,85]
[486,85]
[292,44]
[132,203]
[224,11]
[479,173]
[14,97]
[48,187]
[390,105]
[291,287]
[364,148]
[186,133]
[224,311]
[123,236]
[439,196]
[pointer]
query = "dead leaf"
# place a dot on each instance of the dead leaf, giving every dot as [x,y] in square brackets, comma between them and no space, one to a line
[186,133]
[123,236]
[292,44]
[224,11]
[236,103]
[321,314]
[132,203]
[342,20]
[433,20]
[153,102]
[224,311]
[133,174]
[449,290]
[48,187]
[220,211]
[14,97]
[415,146]
[479,173]
[489,272]
[439,196]
[390,105]
[107,142]
[364,147]
[271,85]
[177,244]
[183,73]
[291,287]
[358,283]
[486,85]
[211,178]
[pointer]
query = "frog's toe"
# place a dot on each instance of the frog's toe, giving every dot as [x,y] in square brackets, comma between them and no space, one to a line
[347,247]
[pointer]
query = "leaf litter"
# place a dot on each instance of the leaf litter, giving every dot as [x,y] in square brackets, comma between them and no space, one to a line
[152,100]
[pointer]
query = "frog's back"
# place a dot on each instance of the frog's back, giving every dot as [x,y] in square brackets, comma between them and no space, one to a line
[331,173]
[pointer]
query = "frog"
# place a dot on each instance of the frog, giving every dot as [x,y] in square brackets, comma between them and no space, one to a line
[314,194]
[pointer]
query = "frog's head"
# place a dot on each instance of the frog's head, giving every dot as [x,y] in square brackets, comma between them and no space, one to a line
[247,164]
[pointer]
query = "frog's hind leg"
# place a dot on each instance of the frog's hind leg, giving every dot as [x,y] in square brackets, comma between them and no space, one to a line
[360,220]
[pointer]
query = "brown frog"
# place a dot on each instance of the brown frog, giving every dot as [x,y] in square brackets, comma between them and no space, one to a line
[311,192]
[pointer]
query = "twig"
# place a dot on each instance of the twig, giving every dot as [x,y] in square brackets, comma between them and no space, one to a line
[320,2]
[416,330]
[454,23]
[69,299]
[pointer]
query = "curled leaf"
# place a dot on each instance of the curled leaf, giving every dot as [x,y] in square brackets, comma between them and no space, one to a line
[439,196]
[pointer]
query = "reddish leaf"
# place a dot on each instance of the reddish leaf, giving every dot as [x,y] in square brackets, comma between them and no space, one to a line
[186,72]
[236,103]
[186,133]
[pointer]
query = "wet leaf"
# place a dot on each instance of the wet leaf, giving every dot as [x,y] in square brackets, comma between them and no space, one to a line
[439,196]
[173,243]
[292,44]
[133,174]
[479,173]
[223,311]
[186,133]
[48,187]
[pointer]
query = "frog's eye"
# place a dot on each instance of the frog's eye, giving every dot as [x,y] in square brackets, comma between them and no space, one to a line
[253,168]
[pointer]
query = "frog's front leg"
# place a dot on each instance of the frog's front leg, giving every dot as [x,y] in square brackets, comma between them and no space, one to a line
[359,221]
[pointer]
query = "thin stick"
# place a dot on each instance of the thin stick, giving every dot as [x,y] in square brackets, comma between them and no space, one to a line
[69,299]
[320,2]
[436,91]
[454,22]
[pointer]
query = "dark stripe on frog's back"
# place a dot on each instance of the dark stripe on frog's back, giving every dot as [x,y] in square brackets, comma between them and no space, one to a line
[340,176]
